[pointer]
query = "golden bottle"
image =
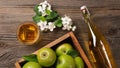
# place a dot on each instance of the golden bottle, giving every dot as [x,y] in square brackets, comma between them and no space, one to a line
[99,49]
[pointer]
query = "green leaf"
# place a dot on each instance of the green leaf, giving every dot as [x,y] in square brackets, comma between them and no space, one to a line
[37,10]
[48,12]
[52,16]
[42,18]
[73,53]
[58,22]
[36,18]
[31,57]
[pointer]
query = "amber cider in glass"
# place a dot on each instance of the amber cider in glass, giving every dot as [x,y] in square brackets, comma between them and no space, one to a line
[28,33]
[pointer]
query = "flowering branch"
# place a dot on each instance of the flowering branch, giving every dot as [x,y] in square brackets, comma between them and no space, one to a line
[48,19]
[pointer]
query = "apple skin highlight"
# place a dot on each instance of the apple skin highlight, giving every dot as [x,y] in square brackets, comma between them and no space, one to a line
[63,48]
[65,61]
[46,57]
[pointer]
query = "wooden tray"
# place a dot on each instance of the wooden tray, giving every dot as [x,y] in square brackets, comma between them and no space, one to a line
[67,38]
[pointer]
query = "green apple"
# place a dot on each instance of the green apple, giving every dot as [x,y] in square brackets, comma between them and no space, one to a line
[79,62]
[46,57]
[63,48]
[32,65]
[65,61]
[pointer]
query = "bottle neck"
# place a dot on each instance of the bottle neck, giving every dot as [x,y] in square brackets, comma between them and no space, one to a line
[86,14]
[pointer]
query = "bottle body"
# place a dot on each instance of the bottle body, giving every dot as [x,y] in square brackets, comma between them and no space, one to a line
[98,47]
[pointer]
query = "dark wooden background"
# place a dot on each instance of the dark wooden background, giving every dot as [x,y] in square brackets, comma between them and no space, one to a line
[105,13]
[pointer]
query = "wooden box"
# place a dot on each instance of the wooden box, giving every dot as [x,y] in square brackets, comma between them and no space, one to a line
[67,38]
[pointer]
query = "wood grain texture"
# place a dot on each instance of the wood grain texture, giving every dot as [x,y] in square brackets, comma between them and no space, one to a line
[105,13]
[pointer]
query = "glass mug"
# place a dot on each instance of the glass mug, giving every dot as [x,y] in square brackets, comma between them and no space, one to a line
[28,33]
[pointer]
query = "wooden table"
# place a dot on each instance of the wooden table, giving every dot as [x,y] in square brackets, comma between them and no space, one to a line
[105,13]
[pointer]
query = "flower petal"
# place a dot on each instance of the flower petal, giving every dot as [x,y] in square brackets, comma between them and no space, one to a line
[73,28]
[51,26]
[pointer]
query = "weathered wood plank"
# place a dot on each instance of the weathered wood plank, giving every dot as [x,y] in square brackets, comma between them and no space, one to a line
[105,13]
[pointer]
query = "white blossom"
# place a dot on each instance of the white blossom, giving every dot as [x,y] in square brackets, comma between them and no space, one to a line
[66,20]
[51,26]
[42,25]
[67,23]
[43,7]
[66,27]
[73,28]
